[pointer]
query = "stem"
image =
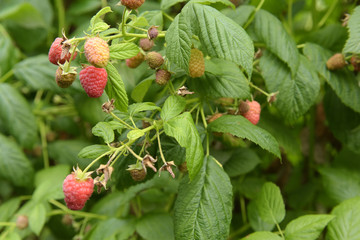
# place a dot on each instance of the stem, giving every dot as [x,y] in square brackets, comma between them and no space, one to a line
[280,231]
[133,153]
[7,75]
[61,15]
[168,16]
[123,21]
[160,149]
[243,209]
[249,21]
[44,144]
[240,231]
[290,5]
[142,35]
[7,224]
[132,121]
[203,117]
[207,135]
[97,159]
[259,89]
[5,233]
[327,14]
[76,213]
[138,28]
[122,121]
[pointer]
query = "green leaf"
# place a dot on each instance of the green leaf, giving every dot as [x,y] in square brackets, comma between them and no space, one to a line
[255,220]
[262,236]
[241,162]
[49,190]
[14,166]
[105,131]
[165,4]
[241,127]
[183,129]
[270,204]
[203,207]
[8,52]
[156,227]
[141,89]
[340,184]
[108,229]
[344,126]
[296,94]
[97,19]
[140,107]
[37,72]
[218,3]
[173,106]
[135,134]
[271,31]
[342,82]
[115,88]
[93,151]
[154,18]
[219,35]
[347,218]
[37,218]
[123,50]
[352,45]
[240,15]
[24,14]
[17,116]
[178,40]
[8,208]
[222,79]
[53,174]
[307,227]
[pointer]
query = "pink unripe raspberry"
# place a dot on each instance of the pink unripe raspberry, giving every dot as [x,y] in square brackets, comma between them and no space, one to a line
[56,50]
[97,52]
[253,114]
[93,80]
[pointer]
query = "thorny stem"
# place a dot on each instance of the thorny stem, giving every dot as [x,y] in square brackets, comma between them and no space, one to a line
[160,149]
[249,21]
[76,213]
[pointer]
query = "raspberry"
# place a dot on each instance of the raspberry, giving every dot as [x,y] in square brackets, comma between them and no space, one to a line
[77,190]
[93,80]
[196,63]
[337,61]
[214,117]
[64,80]
[253,114]
[162,77]
[154,60]
[146,44]
[56,50]
[355,62]
[132,4]
[22,222]
[243,107]
[97,51]
[135,61]
[153,32]
[137,171]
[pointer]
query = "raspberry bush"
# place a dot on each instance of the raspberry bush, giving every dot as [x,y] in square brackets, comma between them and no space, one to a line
[184,120]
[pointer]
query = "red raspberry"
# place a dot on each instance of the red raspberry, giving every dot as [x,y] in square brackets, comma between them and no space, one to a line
[93,80]
[97,52]
[253,114]
[56,50]
[77,191]
[132,4]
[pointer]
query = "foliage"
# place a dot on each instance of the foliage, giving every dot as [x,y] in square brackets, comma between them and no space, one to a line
[211,173]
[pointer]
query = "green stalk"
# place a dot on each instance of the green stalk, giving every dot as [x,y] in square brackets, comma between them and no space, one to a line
[61,15]
[160,149]
[249,21]
[122,121]
[290,4]
[44,144]
[7,75]
[76,213]
[327,14]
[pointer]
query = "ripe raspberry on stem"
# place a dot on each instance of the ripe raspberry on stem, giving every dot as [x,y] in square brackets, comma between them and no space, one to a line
[59,52]
[93,80]
[78,188]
